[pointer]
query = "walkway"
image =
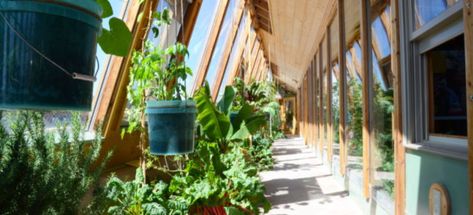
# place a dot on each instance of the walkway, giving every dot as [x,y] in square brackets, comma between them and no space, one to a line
[300,184]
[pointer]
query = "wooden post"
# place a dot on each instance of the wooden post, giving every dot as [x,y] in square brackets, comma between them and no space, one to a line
[321,100]
[365,28]
[468,22]
[399,151]
[314,93]
[316,104]
[342,84]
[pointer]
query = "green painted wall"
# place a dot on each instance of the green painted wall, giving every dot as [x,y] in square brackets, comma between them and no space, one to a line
[423,169]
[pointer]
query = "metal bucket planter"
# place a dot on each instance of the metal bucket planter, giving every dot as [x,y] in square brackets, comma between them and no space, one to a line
[47,53]
[171,126]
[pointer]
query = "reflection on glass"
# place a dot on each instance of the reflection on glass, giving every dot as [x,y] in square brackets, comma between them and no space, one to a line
[231,61]
[447,88]
[354,114]
[199,39]
[381,40]
[382,153]
[426,10]
[102,57]
[222,39]
[335,111]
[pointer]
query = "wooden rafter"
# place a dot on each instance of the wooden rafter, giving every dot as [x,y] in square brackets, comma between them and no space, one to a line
[211,43]
[227,48]
[241,48]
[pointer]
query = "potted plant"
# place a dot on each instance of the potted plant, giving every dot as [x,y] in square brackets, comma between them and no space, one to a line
[48,51]
[157,96]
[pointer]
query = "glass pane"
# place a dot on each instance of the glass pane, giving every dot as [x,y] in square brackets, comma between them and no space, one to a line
[222,39]
[426,10]
[382,153]
[447,88]
[231,62]
[380,39]
[335,113]
[102,58]
[199,38]
[354,122]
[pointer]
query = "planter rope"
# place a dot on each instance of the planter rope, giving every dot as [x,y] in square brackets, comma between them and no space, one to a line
[73,75]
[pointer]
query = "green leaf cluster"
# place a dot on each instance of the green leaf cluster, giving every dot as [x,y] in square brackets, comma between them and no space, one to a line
[220,175]
[117,39]
[45,173]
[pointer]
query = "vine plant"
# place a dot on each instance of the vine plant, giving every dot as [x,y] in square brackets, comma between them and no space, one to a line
[156,74]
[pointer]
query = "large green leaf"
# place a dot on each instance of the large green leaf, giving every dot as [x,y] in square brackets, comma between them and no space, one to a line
[107,9]
[249,127]
[214,123]
[245,112]
[225,103]
[233,211]
[117,40]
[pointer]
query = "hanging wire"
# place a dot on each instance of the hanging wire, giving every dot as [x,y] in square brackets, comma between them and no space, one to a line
[73,75]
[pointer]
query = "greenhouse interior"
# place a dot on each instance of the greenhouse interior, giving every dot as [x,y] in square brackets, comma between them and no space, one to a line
[214,107]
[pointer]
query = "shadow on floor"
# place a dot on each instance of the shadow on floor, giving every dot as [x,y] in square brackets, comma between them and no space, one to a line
[287,191]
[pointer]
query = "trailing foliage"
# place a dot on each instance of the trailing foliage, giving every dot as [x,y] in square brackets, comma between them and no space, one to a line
[219,177]
[45,173]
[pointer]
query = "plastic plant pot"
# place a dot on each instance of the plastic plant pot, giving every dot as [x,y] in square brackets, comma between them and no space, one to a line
[36,35]
[171,126]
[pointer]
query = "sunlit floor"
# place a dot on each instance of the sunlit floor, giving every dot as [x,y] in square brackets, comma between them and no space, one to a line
[300,184]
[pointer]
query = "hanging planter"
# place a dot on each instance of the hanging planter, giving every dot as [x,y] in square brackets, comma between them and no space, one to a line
[171,126]
[47,54]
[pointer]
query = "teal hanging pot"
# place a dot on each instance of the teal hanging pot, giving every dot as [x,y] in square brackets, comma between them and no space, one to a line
[171,126]
[47,53]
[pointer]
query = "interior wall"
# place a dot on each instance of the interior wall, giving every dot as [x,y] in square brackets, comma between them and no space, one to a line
[423,169]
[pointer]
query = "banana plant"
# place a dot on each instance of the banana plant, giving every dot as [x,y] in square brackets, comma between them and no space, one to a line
[219,123]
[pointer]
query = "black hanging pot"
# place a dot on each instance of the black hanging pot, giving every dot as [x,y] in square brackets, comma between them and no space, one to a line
[47,53]
[171,126]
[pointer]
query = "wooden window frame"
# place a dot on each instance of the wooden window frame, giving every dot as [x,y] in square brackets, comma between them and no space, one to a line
[227,47]
[441,29]
[211,43]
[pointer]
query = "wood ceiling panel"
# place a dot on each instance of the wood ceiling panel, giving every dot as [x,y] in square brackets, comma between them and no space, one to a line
[334,39]
[294,39]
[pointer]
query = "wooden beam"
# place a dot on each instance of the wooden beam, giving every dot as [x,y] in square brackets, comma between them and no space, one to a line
[329,98]
[254,63]
[365,32]
[311,102]
[189,20]
[399,151]
[227,48]
[321,100]
[386,24]
[241,48]
[313,69]
[211,42]
[316,104]
[342,85]
[253,60]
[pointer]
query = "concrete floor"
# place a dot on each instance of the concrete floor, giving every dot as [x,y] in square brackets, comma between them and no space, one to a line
[300,184]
